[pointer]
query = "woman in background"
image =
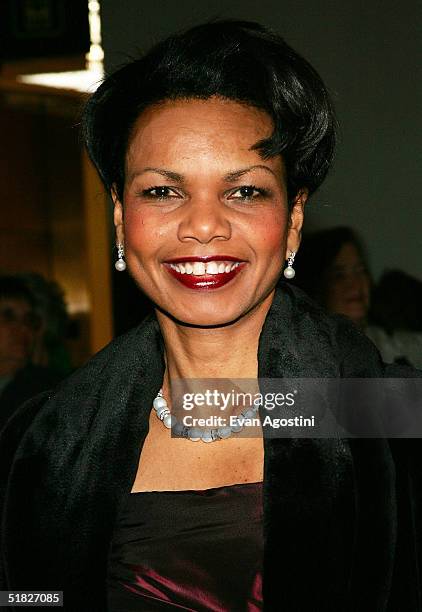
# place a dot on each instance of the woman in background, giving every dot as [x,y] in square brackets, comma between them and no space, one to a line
[331,267]
[20,376]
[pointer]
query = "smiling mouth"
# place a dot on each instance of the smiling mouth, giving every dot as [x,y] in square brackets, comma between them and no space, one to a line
[206,275]
[355,299]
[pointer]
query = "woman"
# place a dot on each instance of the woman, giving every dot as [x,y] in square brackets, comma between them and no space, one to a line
[331,267]
[210,145]
[20,377]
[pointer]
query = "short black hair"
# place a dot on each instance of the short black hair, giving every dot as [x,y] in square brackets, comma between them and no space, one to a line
[15,288]
[237,60]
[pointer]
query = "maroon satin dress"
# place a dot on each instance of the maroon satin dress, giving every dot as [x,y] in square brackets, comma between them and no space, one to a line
[188,550]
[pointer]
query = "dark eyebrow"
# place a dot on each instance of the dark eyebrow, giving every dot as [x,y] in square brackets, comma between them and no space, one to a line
[231,177]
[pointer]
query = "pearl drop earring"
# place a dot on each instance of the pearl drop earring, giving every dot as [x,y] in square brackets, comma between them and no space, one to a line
[120,264]
[289,272]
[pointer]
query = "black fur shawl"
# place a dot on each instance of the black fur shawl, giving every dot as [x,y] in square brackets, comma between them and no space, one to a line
[342,518]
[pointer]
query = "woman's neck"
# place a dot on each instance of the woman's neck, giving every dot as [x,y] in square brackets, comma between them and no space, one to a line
[216,352]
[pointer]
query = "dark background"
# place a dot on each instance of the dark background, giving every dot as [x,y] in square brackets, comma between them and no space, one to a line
[42,28]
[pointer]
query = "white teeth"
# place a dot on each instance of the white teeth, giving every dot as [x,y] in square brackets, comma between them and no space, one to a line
[198,268]
[212,267]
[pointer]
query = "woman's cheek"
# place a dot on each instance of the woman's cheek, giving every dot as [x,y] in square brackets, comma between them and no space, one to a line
[273,230]
[140,229]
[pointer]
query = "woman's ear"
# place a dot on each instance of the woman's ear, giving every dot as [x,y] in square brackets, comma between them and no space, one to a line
[118,215]
[294,233]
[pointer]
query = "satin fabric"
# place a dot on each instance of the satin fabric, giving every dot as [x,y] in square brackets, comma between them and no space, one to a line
[198,550]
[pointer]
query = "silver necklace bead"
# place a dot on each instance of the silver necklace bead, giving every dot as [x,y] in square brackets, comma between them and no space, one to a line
[194,434]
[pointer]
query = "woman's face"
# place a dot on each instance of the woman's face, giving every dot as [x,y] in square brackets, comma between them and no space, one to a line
[348,284]
[198,201]
[17,334]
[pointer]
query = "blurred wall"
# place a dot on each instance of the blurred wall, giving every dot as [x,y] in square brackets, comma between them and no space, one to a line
[369,54]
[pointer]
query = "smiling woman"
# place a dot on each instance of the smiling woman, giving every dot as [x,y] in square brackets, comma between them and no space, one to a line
[200,210]
[210,145]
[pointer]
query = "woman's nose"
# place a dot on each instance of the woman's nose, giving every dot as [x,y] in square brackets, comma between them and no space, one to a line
[204,220]
[352,279]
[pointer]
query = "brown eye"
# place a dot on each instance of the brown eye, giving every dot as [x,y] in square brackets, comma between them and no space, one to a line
[247,193]
[160,192]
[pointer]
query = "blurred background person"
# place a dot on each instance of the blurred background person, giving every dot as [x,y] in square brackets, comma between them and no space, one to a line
[20,326]
[396,318]
[331,268]
[50,349]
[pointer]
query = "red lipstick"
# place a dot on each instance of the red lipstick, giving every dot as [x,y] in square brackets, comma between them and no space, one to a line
[204,282]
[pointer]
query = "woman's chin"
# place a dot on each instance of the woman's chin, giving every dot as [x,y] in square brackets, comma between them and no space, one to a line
[208,317]
[357,314]
[203,319]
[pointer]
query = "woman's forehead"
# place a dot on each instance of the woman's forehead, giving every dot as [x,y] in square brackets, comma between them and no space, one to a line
[198,128]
